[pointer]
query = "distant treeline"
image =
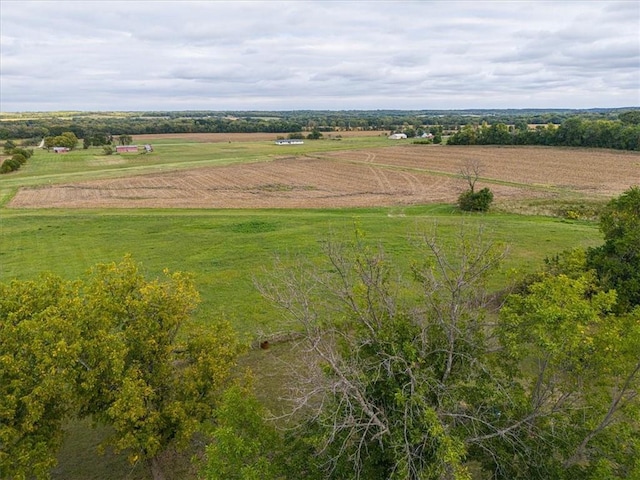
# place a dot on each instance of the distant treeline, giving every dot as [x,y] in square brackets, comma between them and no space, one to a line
[87,124]
[621,134]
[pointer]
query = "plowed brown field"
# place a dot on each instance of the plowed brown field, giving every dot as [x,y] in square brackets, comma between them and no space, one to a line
[397,175]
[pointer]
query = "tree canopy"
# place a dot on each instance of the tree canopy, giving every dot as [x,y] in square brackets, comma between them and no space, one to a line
[617,261]
[112,347]
[420,374]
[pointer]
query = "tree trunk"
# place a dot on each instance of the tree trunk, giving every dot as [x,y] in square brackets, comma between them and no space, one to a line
[156,469]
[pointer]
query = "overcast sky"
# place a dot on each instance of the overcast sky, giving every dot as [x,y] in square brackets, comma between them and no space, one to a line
[336,55]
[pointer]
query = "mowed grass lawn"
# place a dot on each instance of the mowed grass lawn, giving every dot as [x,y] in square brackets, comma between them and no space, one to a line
[226,250]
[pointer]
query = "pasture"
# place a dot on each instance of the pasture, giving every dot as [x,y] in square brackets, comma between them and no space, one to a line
[223,206]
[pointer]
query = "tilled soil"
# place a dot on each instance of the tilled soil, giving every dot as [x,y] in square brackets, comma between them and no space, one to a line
[398,175]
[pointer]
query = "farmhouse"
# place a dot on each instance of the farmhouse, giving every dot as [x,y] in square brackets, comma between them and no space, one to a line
[397,136]
[289,142]
[126,148]
[60,149]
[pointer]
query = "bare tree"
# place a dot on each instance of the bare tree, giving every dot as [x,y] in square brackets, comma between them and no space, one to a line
[380,367]
[409,373]
[470,171]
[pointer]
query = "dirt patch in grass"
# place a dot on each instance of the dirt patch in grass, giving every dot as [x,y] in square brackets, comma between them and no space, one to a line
[396,175]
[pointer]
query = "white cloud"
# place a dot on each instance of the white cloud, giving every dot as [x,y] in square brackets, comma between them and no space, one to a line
[142,55]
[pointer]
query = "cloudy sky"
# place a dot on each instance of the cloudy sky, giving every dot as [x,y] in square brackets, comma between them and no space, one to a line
[337,55]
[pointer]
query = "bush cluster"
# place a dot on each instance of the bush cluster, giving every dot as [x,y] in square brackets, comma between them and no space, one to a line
[471,201]
[18,158]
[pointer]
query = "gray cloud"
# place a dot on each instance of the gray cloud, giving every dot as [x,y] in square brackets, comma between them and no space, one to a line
[141,55]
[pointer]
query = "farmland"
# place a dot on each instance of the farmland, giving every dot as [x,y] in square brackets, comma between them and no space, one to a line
[366,177]
[222,205]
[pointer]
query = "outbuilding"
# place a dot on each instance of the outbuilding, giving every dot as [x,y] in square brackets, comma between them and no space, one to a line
[126,148]
[397,136]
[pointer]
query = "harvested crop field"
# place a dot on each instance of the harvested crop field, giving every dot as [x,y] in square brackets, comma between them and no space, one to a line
[396,175]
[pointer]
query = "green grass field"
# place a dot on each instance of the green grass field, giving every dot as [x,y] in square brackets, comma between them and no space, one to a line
[224,249]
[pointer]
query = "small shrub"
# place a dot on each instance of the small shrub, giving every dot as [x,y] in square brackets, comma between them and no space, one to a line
[578,211]
[107,150]
[18,157]
[9,165]
[27,153]
[471,201]
[9,146]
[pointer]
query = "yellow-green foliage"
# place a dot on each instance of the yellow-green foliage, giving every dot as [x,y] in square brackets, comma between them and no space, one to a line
[109,347]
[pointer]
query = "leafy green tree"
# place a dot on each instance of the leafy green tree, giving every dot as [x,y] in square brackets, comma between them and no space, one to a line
[25,152]
[125,139]
[66,139]
[617,261]
[468,135]
[10,165]
[18,157]
[9,145]
[98,139]
[632,117]
[315,135]
[571,133]
[580,371]
[244,446]
[156,388]
[39,346]
[496,134]
[110,347]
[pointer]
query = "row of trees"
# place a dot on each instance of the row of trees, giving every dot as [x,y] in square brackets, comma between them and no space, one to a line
[573,132]
[89,124]
[407,373]
[70,140]
[19,157]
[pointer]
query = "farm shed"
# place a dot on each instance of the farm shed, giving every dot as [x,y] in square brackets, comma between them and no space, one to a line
[289,142]
[397,136]
[126,148]
[60,149]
